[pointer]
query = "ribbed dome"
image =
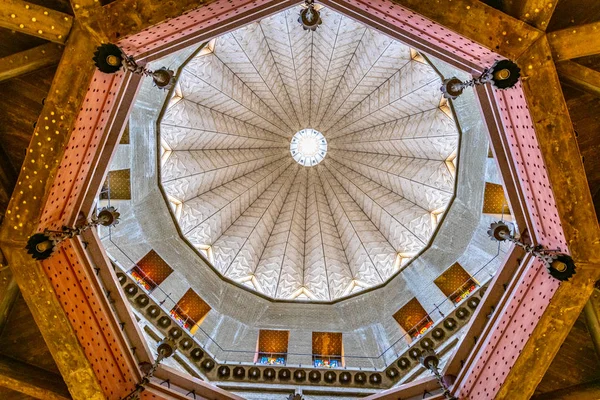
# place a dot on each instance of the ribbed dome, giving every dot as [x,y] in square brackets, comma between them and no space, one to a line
[325,231]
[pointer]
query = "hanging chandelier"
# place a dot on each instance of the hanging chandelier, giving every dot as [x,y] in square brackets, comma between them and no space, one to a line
[42,245]
[109,58]
[430,360]
[559,265]
[166,348]
[310,18]
[504,74]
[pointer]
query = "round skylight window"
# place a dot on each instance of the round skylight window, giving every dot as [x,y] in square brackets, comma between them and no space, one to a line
[308,147]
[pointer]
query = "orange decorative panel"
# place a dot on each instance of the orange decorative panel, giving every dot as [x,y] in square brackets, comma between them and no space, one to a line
[413,318]
[117,185]
[190,309]
[271,341]
[327,343]
[125,136]
[456,283]
[151,270]
[493,199]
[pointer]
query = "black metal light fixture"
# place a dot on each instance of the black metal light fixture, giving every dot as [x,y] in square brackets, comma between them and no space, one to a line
[42,245]
[109,58]
[431,361]
[504,74]
[310,18]
[165,349]
[559,265]
[295,396]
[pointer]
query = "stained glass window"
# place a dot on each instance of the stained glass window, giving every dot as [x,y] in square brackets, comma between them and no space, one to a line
[272,346]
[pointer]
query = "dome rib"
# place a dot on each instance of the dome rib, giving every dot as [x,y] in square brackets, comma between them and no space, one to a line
[427,184]
[358,84]
[284,254]
[216,86]
[238,249]
[398,220]
[375,253]
[339,274]
[319,232]
[279,39]
[413,89]
[188,125]
[206,217]
[247,56]
[419,136]
[204,170]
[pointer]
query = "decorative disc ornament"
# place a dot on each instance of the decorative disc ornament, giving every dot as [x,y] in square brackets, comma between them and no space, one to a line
[310,18]
[108,58]
[429,360]
[40,246]
[498,231]
[163,78]
[561,267]
[505,74]
[108,216]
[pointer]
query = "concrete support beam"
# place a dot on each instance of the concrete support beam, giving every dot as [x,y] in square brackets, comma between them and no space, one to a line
[31,19]
[558,146]
[487,26]
[579,76]
[579,41]
[8,294]
[31,380]
[592,318]
[30,60]
[60,113]
[535,12]
[82,8]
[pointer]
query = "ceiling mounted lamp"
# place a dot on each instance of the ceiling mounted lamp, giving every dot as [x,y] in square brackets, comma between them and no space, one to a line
[431,361]
[310,18]
[42,245]
[504,74]
[109,58]
[166,348]
[295,396]
[561,266]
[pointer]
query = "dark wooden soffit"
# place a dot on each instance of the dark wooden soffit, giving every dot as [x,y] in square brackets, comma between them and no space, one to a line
[32,381]
[537,13]
[30,60]
[579,76]
[487,26]
[35,20]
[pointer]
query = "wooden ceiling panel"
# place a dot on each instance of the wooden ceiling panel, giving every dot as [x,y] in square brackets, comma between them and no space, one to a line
[7,394]
[584,110]
[12,42]
[20,105]
[576,362]
[570,13]
[21,339]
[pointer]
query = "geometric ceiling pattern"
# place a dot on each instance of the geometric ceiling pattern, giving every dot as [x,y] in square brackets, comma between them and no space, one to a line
[311,233]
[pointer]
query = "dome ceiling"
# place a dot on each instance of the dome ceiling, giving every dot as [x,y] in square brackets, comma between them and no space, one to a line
[286,230]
